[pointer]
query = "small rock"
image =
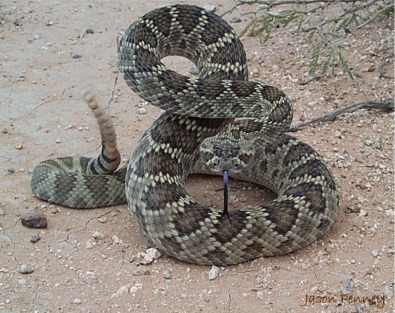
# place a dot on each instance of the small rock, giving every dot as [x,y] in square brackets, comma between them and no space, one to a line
[147,257]
[136,288]
[35,238]
[141,111]
[115,239]
[236,19]
[154,253]
[130,258]
[26,269]
[275,67]
[77,301]
[166,275]
[388,291]
[19,146]
[102,220]
[89,31]
[369,68]
[97,235]
[141,273]
[260,295]
[22,281]
[76,56]
[121,291]
[375,253]
[34,219]
[255,73]
[362,213]
[352,209]
[58,140]
[213,273]
[209,7]
[143,258]
[2,213]
[89,244]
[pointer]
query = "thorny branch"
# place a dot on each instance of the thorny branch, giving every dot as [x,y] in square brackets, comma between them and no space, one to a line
[316,18]
[386,106]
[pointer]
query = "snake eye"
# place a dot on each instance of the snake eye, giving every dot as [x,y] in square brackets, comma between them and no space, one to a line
[235,152]
[217,151]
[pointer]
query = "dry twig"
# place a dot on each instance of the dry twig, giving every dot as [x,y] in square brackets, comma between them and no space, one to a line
[386,106]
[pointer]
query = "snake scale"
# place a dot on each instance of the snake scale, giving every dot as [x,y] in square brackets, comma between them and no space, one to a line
[195,109]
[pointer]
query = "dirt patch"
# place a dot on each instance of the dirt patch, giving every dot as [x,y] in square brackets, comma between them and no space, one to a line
[84,260]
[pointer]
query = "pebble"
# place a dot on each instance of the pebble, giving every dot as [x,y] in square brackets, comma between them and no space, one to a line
[115,239]
[255,73]
[154,253]
[166,275]
[89,244]
[97,235]
[362,213]
[141,273]
[236,19]
[213,273]
[26,269]
[388,292]
[130,258]
[77,301]
[2,213]
[22,281]
[375,253]
[34,219]
[136,288]
[143,258]
[260,295]
[35,238]
[209,7]
[121,291]
[141,111]
[147,257]
[19,146]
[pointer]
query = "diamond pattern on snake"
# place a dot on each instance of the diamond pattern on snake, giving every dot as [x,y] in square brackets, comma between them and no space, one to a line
[201,114]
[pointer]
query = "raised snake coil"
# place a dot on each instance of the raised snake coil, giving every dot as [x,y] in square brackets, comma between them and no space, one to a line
[197,108]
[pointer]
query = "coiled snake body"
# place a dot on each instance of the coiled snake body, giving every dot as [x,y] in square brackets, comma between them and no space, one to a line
[197,108]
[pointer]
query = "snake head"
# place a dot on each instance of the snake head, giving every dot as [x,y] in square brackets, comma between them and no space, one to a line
[224,152]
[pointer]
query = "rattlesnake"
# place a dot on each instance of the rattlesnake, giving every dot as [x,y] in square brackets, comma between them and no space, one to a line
[197,108]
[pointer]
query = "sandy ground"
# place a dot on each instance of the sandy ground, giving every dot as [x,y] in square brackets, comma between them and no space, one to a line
[84,260]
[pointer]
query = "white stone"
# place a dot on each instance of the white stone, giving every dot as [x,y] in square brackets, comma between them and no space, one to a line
[213,273]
